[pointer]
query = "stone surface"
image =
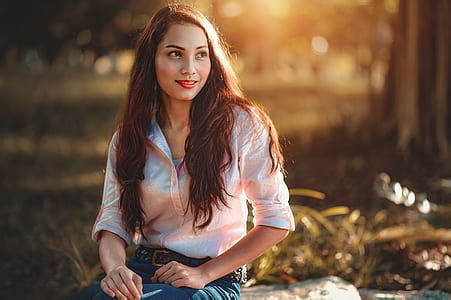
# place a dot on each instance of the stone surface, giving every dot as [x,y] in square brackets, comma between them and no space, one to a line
[325,288]
[332,288]
[368,294]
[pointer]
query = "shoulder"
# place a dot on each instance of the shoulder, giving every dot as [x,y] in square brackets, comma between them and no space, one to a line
[115,136]
[112,146]
[248,117]
[249,122]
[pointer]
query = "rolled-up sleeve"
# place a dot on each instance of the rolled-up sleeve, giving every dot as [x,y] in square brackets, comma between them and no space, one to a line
[109,216]
[265,190]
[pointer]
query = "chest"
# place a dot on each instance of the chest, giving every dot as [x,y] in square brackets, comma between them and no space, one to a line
[176,143]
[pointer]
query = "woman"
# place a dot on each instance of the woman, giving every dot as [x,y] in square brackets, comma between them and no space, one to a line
[188,151]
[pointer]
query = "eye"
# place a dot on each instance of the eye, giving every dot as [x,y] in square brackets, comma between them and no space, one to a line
[175,53]
[202,55]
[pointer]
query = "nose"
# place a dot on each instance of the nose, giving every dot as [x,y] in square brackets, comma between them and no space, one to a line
[188,67]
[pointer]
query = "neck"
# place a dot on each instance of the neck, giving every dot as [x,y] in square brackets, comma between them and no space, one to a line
[175,114]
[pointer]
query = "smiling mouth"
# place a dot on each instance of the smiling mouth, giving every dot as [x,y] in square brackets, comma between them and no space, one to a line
[187,84]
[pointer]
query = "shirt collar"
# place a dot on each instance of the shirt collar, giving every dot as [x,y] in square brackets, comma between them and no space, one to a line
[155,135]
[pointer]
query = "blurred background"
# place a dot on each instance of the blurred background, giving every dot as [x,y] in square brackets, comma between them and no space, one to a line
[358,89]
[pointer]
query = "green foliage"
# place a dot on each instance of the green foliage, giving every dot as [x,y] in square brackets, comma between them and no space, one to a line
[341,242]
[328,242]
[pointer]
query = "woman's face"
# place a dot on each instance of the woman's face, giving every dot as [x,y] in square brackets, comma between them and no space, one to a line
[182,62]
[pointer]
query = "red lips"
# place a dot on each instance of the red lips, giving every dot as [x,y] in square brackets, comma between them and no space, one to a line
[187,84]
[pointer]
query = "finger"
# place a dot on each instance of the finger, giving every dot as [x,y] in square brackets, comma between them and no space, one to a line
[129,283]
[112,286]
[106,289]
[138,283]
[116,291]
[179,283]
[120,285]
[176,276]
[120,296]
[163,270]
[170,272]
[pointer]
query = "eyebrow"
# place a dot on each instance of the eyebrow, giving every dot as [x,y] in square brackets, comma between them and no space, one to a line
[181,48]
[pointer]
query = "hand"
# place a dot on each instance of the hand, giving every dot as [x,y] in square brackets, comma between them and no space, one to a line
[178,275]
[122,283]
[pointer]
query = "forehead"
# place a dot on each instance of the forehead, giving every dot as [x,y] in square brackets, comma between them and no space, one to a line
[184,35]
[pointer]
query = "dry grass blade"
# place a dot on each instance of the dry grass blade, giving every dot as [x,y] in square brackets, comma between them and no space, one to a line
[379,218]
[307,193]
[354,216]
[321,219]
[335,211]
[83,274]
[410,234]
[310,225]
[363,276]
[86,275]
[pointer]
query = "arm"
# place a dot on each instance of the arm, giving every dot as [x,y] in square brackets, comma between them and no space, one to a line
[120,281]
[254,244]
[111,251]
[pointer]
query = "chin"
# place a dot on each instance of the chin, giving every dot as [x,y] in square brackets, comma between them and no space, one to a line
[183,95]
[187,97]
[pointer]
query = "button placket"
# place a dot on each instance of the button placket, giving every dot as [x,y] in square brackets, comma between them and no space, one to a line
[175,193]
[158,139]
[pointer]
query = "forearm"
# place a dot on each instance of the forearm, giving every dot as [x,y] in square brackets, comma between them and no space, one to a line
[111,251]
[251,246]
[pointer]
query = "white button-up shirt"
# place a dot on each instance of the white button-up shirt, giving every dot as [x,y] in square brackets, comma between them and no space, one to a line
[165,191]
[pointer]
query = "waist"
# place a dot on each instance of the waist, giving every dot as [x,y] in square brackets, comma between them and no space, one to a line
[161,256]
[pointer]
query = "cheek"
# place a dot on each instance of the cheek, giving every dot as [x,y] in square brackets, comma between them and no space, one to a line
[204,69]
[164,70]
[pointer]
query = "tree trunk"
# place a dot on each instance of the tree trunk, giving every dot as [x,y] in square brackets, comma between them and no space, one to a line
[417,94]
[441,100]
[406,76]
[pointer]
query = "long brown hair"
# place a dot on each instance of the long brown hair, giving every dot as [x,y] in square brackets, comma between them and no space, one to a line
[211,120]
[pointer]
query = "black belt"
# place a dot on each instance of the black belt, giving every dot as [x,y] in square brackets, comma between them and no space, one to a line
[161,256]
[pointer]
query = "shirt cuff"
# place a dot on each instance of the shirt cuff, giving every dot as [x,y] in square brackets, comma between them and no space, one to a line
[283,220]
[95,235]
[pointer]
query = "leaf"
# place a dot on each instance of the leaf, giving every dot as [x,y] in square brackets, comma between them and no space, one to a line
[308,193]
[413,234]
[354,216]
[321,219]
[335,211]
[309,224]
[380,217]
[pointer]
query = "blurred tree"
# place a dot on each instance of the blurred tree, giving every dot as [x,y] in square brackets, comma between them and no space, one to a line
[418,97]
[51,27]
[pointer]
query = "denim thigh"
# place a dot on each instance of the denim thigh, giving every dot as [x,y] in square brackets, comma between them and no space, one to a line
[222,288]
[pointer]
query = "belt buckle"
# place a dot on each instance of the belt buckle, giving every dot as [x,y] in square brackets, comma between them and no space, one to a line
[155,257]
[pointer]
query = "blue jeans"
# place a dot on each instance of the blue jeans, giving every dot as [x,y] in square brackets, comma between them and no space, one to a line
[218,289]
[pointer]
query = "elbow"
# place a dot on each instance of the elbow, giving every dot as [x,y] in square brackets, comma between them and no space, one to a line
[281,234]
[278,234]
[107,238]
[284,234]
